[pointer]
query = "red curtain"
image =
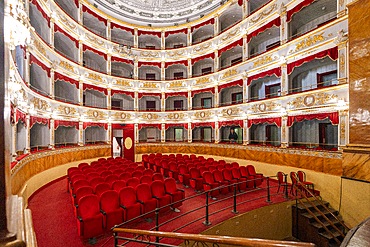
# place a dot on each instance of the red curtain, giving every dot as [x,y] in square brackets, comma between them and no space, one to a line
[93,13]
[210,55]
[184,62]
[20,116]
[58,29]
[158,126]
[158,64]
[39,120]
[276,22]
[89,124]
[297,8]
[211,89]
[332,53]
[208,22]
[33,59]
[275,71]
[140,95]
[58,76]
[41,11]
[76,2]
[185,94]
[240,2]
[184,30]
[142,32]
[122,60]
[96,88]
[231,84]
[64,123]
[230,46]
[231,123]
[131,94]
[114,25]
[169,125]
[207,124]
[85,47]
[333,117]
[275,120]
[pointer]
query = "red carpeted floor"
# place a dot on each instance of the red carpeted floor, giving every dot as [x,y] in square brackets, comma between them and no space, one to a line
[55,223]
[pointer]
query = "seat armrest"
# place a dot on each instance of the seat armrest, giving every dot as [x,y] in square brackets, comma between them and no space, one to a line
[141,202]
[156,197]
[103,212]
[122,206]
[181,190]
[79,218]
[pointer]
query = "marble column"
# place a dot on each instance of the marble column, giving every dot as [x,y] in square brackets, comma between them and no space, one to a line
[80,134]
[163,132]
[163,101]
[136,38]
[343,129]
[52,84]
[163,71]
[51,32]
[109,99]
[245,48]
[108,30]
[80,53]
[216,97]
[217,133]
[163,40]
[136,69]
[28,134]
[245,9]
[284,25]
[52,137]
[136,101]
[189,36]
[190,68]
[109,64]
[284,132]
[215,62]
[245,132]
[80,12]
[284,85]
[109,133]
[136,129]
[190,101]
[216,26]
[190,133]
[245,89]
[81,93]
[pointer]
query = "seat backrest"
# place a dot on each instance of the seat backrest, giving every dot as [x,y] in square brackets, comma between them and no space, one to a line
[173,166]
[218,176]
[227,174]
[88,206]
[105,173]
[243,171]
[251,170]
[228,166]
[133,182]
[202,170]
[96,180]
[80,183]
[140,168]
[236,172]
[235,164]
[208,177]
[157,188]
[148,172]
[76,177]
[137,174]
[82,165]
[111,178]
[100,188]
[157,176]
[301,176]
[143,192]
[82,191]
[293,177]
[109,200]
[125,176]
[183,169]
[194,172]
[127,196]
[280,177]
[118,185]
[73,170]
[170,185]
[146,179]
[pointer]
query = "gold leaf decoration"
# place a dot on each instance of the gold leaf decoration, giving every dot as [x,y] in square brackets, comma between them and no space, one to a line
[175,84]
[66,22]
[201,81]
[264,107]
[231,111]
[312,100]
[122,115]
[149,85]
[94,39]
[229,73]
[176,54]
[123,83]
[95,77]
[149,54]
[66,65]
[40,104]
[309,41]
[95,114]
[39,47]
[203,114]
[263,60]
[202,47]
[150,116]
[230,34]
[263,14]
[66,110]
[175,116]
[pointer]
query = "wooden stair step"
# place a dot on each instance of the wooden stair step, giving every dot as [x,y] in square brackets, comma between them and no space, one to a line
[308,205]
[317,214]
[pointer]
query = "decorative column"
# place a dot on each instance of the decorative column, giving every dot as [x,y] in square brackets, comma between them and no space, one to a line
[14,140]
[190,101]
[216,97]
[52,82]
[136,101]
[217,132]
[215,61]
[109,133]
[80,53]
[27,68]
[163,40]
[163,101]
[342,61]
[284,25]
[245,89]
[28,134]
[136,129]
[136,38]
[216,26]
[343,129]
[245,48]
[284,132]
[51,32]
[245,132]
[80,133]
[189,37]
[109,99]
[190,68]
[284,85]
[136,68]
[81,93]
[163,132]
[341,8]
[163,71]
[108,30]
[190,133]
[245,9]
[80,12]
[52,137]
[109,64]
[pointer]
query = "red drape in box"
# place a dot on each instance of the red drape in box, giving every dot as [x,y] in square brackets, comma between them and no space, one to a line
[142,32]
[96,88]
[231,84]
[210,55]
[131,94]
[211,90]
[275,71]
[169,125]
[274,120]
[240,2]
[114,25]
[158,64]
[184,62]
[85,47]
[230,46]
[276,22]
[58,76]
[140,95]
[158,126]
[332,53]
[20,116]
[184,30]
[90,124]
[76,2]
[231,123]
[39,120]
[185,94]
[93,13]
[122,60]
[210,21]
[297,8]
[333,117]
[58,29]
[207,124]
[64,123]
[41,11]
[33,59]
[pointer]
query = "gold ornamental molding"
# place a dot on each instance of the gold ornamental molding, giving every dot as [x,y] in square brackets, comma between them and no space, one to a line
[124,83]
[66,22]
[122,115]
[66,110]
[265,107]
[176,54]
[312,100]
[176,84]
[153,54]
[40,104]
[95,77]
[150,116]
[94,39]
[202,81]
[202,47]
[203,114]
[66,66]
[37,44]
[234,111]
[229,73]
[149,85]
[176,116]
[310,41]
[264,60]
[230,34]
[96,114]
[263,14]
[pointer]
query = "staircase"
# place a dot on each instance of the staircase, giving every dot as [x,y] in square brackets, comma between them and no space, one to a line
[316,222]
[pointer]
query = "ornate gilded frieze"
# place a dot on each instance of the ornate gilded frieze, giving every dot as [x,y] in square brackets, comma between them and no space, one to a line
[124,83]
[95,77]
[40,47]
[122,115]
[202,47]
[66,66]
[153,54]
[40,104]
[203,114]
[149,85]
[265,107]
[176,116]
[66,110]
[94,39]
[231,112]
[66,22]
[150,116]
[264,60]
[230,34]
[312,100]
[176,54]
[176,84]
[96,115]
[309,41]
[229,73]
[263,14]
[202,81]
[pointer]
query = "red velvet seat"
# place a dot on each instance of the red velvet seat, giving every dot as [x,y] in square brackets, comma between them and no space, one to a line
[74,178]
[157,176]
[148,172]
[226,173]
[146,180]
[109,205]
[140,168]
[137,174]
[101,188]
[184,175]
[258,177]
[202,169]
[242,182]
[133,182]
[176,194]
[80,192]
[125,176]
[111,178]
[282,181]
[307,184]
[219,178]
[95,181]
[105,173]
[128,201]
[159,193]
[90,219]
[78,184]
[83,166]
[209,183]
[144,160]
[145,198]
[118,185]
[173,171]
[165,167]
[196,180]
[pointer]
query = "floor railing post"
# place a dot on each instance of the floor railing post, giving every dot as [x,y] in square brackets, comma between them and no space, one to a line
[115,239]
[206,222]
[285,185]
[268,190]
[157,223]
[234,197]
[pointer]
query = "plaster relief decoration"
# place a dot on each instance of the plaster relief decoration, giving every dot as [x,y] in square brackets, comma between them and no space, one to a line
[176,54]
[263,14]
[66,66]
[202,47]
[96,114]
[95,77]
[124,83]
[66,22]
[360,118]
[66,110]
[230,34]
[202,81]
[229,73]
[39,104]
[264,60]
[122,115]
[312,100]
[123,49]
[94,39]
[149,85]
[176,84]
[203,114]
[176,116]
[309,41]
[153,54]
[265,107]
[234,111]
[39,47]
[150,116]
